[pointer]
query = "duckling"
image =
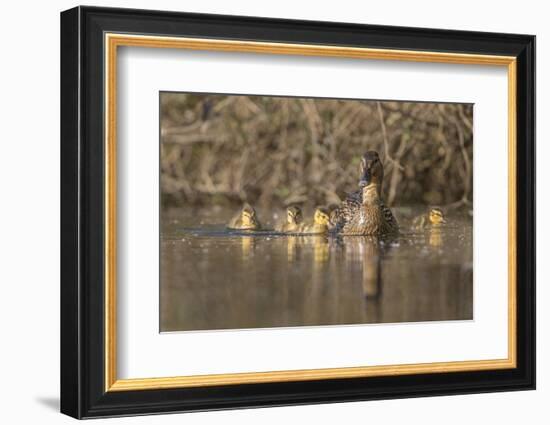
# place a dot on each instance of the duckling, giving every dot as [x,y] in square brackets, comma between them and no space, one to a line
[293,222]
[358,215]
[245,219]
[372,218]
[433,218]
[320,222]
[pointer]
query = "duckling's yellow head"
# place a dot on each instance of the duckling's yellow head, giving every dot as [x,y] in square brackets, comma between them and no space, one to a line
[293,215]
[436,216]
[248,216]
[370,194]
[321,216]
[371,169]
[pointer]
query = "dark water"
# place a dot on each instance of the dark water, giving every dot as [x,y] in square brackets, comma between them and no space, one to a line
[215,279]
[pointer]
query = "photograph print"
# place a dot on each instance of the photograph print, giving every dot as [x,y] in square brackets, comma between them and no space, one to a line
[288,211]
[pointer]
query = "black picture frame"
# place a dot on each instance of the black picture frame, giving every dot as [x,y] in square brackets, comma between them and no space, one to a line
[83,392]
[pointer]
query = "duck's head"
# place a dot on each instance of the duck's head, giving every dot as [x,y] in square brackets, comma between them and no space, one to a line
[436,216]
[293,215]
[370,194]
[331,207]
[248,216]
[371,168]
[321,216]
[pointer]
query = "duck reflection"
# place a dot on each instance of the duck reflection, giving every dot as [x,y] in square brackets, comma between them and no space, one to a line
[247,247]
[364,259]
[317,244]
[320,250]
[259,278]
[435,237]
[364,253]
[292,248]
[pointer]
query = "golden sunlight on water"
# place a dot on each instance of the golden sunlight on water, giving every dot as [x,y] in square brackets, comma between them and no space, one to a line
[215,279]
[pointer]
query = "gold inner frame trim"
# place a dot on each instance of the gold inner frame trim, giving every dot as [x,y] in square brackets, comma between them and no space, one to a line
[113,41]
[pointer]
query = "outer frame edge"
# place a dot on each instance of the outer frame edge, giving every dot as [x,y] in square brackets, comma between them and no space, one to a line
[70,349]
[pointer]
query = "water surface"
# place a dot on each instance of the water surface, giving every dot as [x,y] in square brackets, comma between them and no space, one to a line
[212,278]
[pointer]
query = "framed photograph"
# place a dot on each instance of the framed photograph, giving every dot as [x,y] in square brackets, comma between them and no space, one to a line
[261,212]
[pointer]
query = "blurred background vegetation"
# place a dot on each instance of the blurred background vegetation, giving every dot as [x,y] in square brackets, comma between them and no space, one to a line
[223,150]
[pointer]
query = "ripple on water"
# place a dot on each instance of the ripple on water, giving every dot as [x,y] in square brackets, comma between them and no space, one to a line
[216,278]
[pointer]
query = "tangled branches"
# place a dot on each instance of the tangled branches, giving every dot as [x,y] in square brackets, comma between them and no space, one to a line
[276,150]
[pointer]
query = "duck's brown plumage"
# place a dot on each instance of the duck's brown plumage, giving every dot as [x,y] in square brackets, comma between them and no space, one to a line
[359,216]
[371,217]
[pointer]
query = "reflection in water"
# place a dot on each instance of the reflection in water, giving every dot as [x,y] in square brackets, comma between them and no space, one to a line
[214,279]
[365,254]
[435,237]
[292,248]
[320,249]
[247,243]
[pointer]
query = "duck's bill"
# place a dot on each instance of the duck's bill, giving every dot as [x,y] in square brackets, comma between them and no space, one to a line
[364,182]
[365,179]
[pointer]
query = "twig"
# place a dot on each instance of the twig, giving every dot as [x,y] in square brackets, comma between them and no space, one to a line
[387,155]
